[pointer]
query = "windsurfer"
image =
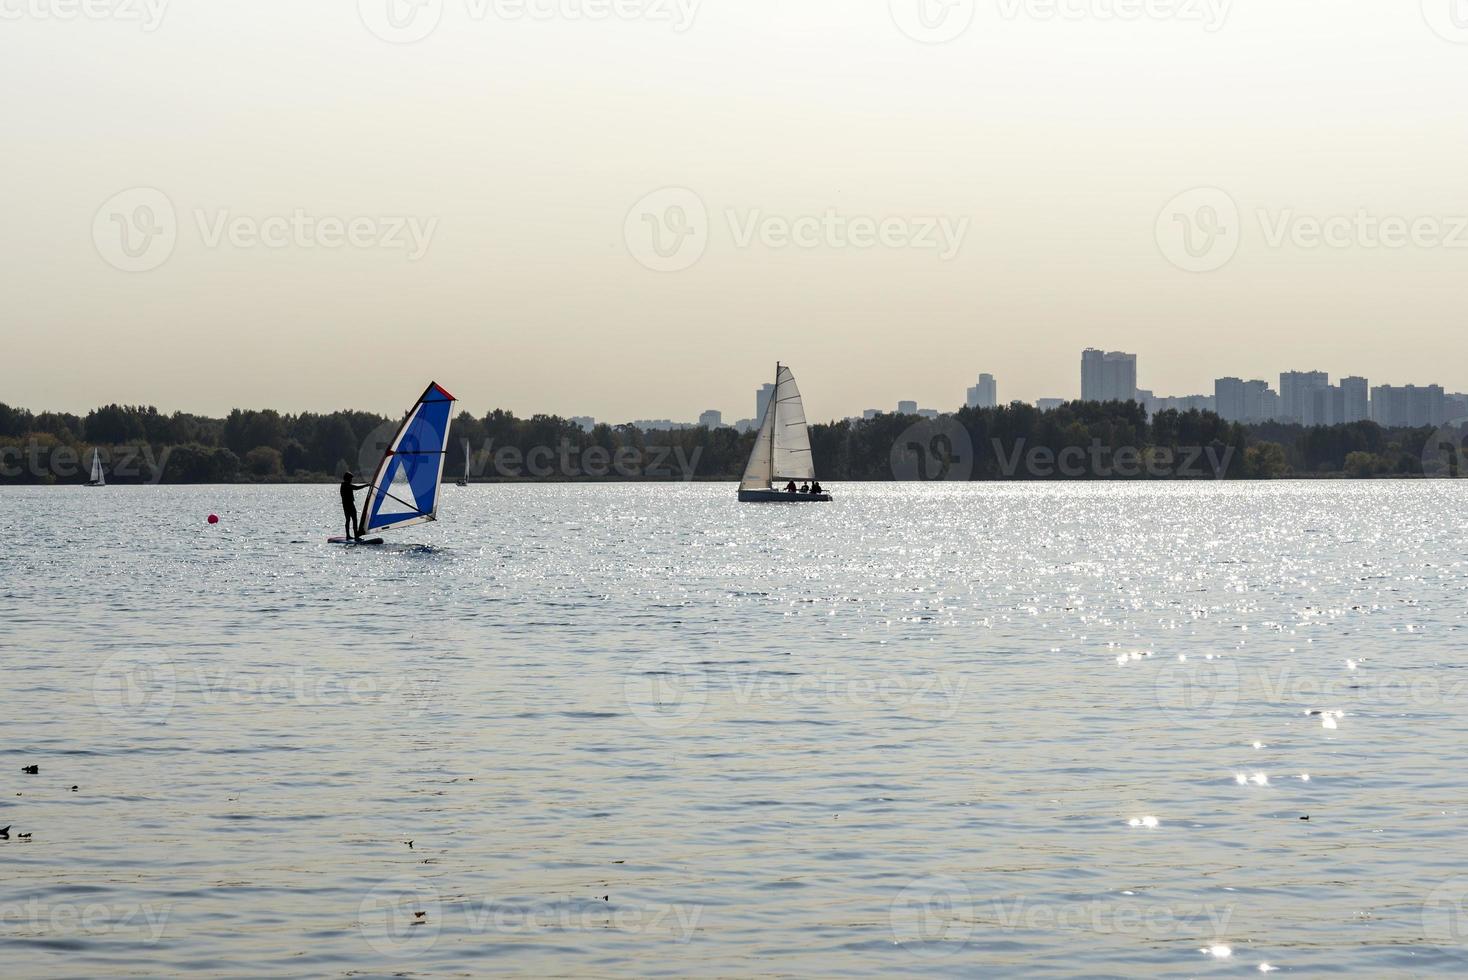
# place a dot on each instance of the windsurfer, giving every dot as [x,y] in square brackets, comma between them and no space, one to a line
[349,503]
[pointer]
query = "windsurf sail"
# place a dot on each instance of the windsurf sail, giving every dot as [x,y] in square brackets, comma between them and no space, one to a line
[782,447]
[98,480]
[406,487]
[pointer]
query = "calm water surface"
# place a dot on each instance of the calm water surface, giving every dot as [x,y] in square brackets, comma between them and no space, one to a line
[946,730]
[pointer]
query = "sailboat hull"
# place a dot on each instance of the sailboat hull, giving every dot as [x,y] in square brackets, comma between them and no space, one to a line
[782,497]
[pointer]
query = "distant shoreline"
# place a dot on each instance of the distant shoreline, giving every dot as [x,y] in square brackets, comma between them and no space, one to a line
[1075,442]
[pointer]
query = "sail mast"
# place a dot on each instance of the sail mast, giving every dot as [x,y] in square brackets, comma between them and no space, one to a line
[774,421]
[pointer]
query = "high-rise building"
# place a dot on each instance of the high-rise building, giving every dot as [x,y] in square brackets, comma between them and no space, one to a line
[1269,406]
[1092,374]
[1356,396]
[907,408]
[586,422]
[762,400]
[712,419]
[1049,404]
[1327,406]
[1108,376]
[1261,402]
[985,394]
[1408,406]
[1231,399]
[1455,407]
[871,413]
[1295,401]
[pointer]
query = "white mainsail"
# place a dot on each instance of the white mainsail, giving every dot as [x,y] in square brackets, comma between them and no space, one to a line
[782,447]
[98,480]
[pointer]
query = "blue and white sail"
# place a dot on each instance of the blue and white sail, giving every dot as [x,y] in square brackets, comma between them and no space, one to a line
[407,485]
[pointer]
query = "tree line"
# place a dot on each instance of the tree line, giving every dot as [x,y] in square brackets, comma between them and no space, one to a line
[1079,440]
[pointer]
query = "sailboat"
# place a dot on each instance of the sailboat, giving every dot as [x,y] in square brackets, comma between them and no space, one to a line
[97,480]
[464,480]
[781,452]
[405,488]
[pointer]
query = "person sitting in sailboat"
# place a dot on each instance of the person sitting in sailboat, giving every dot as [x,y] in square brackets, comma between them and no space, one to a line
[816,487]
[790,487]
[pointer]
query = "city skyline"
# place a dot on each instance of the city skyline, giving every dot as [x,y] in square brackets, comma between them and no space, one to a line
[1304,397]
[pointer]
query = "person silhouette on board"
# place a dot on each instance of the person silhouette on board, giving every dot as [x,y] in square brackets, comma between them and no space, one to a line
[790,487]
[805,488]
[349,503]
[816,487]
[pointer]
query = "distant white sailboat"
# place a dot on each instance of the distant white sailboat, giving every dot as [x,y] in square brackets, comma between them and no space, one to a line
[781,451]
[98,479]
[464,480]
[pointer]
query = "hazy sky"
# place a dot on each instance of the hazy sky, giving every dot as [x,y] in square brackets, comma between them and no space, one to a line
[632,208]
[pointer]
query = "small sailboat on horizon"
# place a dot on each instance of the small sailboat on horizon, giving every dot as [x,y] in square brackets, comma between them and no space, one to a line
[98,479]
[405,488]
[781,452]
